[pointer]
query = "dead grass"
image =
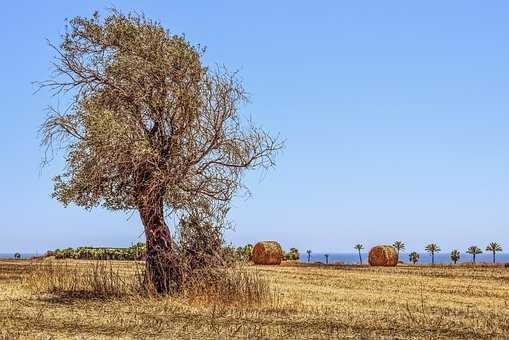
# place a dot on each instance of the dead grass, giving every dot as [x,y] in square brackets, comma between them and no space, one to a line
[231,286]
[82,279]
[112,279]
[405,302]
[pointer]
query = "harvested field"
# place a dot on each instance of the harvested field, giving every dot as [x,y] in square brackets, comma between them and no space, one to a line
[309,301]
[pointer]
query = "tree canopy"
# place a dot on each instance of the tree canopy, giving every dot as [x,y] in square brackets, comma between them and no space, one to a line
[147,117]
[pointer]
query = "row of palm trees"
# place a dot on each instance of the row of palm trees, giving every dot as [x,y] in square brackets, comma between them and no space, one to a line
[455,254]
[431,248]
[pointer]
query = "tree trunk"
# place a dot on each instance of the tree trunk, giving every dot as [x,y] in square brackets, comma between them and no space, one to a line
[493,257]
[162,274]
[360,257]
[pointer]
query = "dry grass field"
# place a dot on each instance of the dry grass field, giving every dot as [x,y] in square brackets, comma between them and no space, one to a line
[405,302]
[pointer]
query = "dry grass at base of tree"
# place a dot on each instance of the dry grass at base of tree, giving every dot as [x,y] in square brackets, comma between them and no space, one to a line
[229,286]
[111,279]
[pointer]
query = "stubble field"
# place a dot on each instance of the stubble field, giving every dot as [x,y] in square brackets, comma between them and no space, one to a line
[405,302]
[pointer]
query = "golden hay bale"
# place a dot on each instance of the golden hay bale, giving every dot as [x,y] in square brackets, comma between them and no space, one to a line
[267,252]
[383,255]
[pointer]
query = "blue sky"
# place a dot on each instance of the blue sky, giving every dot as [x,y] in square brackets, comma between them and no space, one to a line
[395,115]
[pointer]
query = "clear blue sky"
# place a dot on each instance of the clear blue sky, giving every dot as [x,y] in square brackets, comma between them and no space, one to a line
[396,116]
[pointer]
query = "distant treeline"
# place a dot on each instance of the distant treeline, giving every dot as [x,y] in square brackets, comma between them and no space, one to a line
[134,252]
[137,252]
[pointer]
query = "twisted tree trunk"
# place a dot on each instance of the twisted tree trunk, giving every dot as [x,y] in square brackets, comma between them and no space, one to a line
[162,273]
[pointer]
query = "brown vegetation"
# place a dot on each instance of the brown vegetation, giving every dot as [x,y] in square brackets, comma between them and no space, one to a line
[114,279]
[403,302]
[267,252]
[383,255]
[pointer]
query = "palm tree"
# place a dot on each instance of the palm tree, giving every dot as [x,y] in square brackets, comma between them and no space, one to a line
[432,248]
[399,246]
[455,256]
[359,247]
[309,254]
[474,250]
[326,258]
[413,257]
[494,247]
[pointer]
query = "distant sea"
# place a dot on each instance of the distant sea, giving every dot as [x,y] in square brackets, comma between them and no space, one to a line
[11,256]
[353,258]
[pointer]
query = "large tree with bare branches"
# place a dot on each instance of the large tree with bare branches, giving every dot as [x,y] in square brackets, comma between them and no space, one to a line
[148,128]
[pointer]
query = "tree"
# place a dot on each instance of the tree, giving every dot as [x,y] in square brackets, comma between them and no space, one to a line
[474,250]
[326,258]
[399,246]
[413,257]
[244,253]
[359,247]
[455,256]
[432,248]
[292,255]
[149,128]
[309,254]
[494,247]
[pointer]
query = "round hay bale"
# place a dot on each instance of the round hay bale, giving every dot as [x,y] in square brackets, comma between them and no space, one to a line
[267,252]
[383,255]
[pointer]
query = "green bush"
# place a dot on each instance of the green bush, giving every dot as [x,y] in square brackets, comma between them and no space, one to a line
[292,255]
[244,253]
[135,252]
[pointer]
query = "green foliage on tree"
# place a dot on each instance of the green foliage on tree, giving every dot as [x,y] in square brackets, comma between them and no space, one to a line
[413,257]
[432,248]
[455,256]
[493,247]
[292,255]
[474,250]
[359,247]
[399,246]
[244,253]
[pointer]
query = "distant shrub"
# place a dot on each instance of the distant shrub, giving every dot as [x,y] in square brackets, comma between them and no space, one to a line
[135,252]
[292,255]
[17,256]
[243,254]
[506,265]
